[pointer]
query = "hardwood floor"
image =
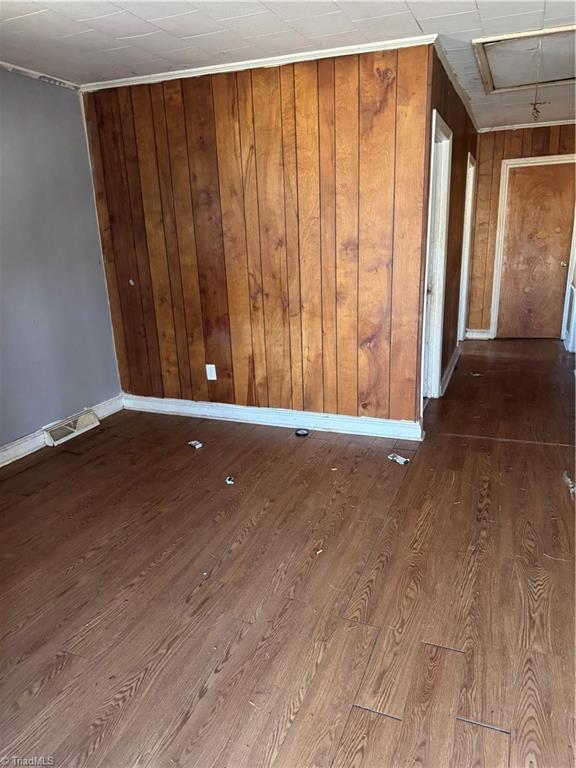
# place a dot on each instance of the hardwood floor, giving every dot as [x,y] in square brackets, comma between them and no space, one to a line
[331,608]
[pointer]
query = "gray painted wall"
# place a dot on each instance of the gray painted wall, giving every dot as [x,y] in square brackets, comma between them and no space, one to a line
[56,346]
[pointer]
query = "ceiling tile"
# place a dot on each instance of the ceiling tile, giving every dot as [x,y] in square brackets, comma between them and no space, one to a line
[565,21]
[158,42]
[155,10]
[559,8]
[301,10]
[523,22]
[216,41]
[339,40]
[453,23]
[368,9]
[92,40]
[40,25]
[329,23]
[263,23]
[14,10]
[389,27]
[490,9]
[83,9]
[220,11]
[428,9]
[288,41]
[120,24]
[191,23]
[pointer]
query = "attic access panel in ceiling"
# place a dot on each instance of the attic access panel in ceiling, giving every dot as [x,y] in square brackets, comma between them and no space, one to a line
[527,60]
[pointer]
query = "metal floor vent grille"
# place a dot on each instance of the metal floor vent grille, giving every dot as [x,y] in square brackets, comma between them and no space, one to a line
[60,431]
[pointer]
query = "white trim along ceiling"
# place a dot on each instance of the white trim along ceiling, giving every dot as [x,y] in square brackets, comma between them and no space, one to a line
[90,44]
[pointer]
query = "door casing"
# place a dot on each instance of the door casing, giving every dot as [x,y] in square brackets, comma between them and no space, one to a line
[435,273]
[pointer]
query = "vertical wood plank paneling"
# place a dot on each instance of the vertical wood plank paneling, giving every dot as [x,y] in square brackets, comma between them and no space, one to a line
[234,233]
[410,204]
[253,221]
[117,195]
[376,228]
[554,146]
[308,170]
[106,240]
[153,214]
[208,223]
[270,182]
[252,229]
[481,225]
[526,141]
[140,243]
[291,218]
[540,141]
[184,218]
[170,237]
[346,129]
[497,158]
[512,144]
[567,144]
[328,230]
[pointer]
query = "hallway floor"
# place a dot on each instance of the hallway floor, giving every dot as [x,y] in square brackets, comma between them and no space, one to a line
[331,608]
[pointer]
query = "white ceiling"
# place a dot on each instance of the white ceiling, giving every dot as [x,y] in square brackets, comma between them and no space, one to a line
[95,40]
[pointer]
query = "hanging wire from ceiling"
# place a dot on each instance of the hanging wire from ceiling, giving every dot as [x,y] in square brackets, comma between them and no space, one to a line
[536,112]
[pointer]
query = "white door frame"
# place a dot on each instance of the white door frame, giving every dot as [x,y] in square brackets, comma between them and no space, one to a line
[440,169]
[469,207]
[501,231]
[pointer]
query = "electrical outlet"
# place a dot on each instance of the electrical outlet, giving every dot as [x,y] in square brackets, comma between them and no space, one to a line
[211,372]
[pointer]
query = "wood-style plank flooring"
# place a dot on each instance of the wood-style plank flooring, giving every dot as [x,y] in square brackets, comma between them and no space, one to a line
[330,608]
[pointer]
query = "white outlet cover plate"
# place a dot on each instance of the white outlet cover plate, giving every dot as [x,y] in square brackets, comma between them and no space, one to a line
[210,372]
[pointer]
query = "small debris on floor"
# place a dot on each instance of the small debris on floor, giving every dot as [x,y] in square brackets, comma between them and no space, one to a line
[229,480]
[301,433]
[195,444]
[570,483]
[476,374]
[318,551]
[334,469]
[398,459]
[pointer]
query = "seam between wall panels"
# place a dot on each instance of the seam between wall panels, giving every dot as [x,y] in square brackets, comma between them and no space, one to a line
[221,227]
[237,123]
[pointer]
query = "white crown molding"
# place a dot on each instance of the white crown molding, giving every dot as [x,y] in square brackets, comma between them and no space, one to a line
[39,76]
[270,61]
[33,442]
[519,126]
[278,417]
[456,83]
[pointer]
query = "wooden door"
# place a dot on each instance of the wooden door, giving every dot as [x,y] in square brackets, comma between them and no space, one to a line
[536,252]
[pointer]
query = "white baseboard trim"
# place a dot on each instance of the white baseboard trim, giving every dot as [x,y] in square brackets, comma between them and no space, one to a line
[477,334]
[33,442]
[449,370]
[279,417]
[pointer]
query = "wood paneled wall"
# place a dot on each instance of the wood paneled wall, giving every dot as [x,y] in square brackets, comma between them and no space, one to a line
[493,147]
[450,106]
[271,222]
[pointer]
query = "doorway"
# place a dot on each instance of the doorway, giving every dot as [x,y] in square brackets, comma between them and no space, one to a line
[533,248]
[438,213]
